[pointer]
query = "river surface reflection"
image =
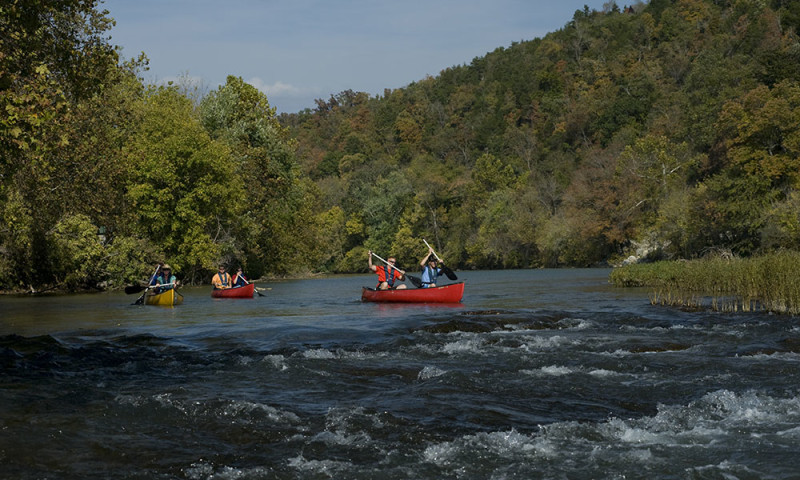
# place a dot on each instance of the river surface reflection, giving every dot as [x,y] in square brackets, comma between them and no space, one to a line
[536,374]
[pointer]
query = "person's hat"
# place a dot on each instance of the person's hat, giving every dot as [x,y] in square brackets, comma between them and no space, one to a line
[166,267]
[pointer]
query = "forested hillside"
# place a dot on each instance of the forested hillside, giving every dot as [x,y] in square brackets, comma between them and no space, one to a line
[665,129]
[671,128]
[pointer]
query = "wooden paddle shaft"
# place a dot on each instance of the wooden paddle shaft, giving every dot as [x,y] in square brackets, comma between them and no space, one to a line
[387,263]
[432,250]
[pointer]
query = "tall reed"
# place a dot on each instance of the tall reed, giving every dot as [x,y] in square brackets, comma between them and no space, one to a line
[768,283]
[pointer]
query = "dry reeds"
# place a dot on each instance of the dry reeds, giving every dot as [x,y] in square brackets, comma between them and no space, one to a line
[767,283]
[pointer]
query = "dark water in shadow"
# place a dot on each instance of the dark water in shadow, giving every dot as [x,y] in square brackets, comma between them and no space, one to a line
[537,374]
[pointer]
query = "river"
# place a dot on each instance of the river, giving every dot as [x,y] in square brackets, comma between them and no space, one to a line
[537,374]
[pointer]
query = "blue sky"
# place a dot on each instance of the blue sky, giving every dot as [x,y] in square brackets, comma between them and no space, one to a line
[296,51]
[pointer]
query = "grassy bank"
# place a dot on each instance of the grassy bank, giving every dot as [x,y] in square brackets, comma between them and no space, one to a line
[768,283]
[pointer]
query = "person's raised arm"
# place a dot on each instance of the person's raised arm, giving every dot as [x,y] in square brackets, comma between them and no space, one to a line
[425,260]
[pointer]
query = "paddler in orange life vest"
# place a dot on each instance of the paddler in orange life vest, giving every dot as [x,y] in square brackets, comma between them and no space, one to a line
[221,279]
[388,276]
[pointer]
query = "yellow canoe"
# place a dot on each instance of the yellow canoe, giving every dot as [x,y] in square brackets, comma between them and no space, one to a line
[168,298]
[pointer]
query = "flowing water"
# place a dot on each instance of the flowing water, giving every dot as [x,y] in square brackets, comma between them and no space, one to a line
[537,374]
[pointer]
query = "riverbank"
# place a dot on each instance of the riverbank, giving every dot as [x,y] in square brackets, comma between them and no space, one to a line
[57,290]
[764,283]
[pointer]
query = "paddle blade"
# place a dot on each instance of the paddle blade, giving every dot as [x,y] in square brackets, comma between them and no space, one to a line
[449,273]
[130,289]
[415,280]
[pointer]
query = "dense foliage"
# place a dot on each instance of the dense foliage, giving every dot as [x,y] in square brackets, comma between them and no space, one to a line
[103,176]
[659,130]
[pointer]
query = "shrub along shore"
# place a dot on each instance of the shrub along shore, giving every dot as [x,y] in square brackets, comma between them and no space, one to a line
[765,283]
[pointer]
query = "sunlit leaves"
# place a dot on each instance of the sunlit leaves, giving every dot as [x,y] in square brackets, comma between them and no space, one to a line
[273,202]
[182,190]
[762,132]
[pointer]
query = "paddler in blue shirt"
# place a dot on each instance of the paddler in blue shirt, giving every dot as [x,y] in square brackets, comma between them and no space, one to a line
[165,280]
[430,272]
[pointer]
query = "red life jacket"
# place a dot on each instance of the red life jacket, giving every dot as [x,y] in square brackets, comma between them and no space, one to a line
[383,275]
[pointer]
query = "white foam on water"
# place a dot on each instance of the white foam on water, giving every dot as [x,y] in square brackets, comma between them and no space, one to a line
[539,343]
[466,345]
[635,329]
[361,355]
[716,424]
[351,419]
[769,357]
[204,470]
[244,360]
[199,470]
[319,354]
[726,470]
[329,468]
[621,353]
[556,370]
[235,410]
[603,373]
[619,430]
[716,417]
[244,410]
[500,444]
[574,323]
[277,361]
[792,432]
[358,439]
[429,372]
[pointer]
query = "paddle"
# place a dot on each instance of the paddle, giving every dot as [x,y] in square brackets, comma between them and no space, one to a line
[254,288]
[445,269]
[138,288]
[415,280]
[140,300]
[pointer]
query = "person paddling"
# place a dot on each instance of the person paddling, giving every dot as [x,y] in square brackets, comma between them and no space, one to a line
[221,279]
[239,280]
[388,275]
[165,280]
[430,272]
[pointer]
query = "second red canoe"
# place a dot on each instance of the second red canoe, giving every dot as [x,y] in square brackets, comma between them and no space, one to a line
[235,292]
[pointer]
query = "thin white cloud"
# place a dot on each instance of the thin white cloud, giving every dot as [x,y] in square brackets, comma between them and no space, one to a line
[279,88]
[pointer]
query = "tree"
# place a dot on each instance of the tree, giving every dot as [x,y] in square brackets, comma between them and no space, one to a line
[183,192]
[54,62]
[275,231]
[761,132]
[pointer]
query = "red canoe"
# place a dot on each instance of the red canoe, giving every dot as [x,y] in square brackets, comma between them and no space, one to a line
[452,293]
[235,292]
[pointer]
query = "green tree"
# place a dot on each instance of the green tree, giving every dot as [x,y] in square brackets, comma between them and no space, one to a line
[761,132]
[183,192]
[54,63]
[276,229]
